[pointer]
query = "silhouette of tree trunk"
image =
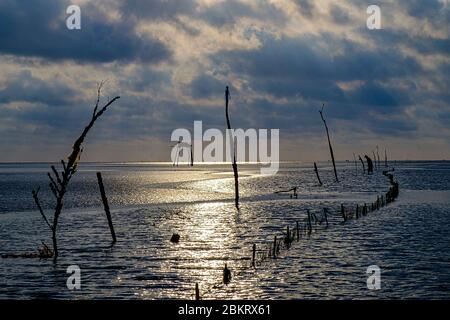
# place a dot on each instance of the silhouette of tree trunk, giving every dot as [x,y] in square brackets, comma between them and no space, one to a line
[329,144]
[59,181]
[234,165]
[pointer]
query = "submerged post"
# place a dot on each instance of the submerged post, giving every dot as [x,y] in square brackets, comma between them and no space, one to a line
[343,213]
[298,232]
[106,206]
[234,165]
[317,173]
[274,254]
[385,158]
[253,255]
[309,222]
[197,292]
[329,144]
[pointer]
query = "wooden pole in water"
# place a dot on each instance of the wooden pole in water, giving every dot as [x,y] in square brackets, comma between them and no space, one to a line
[329,143]
[288,234]
[106,206]
[309,222]
[197,292]
[234,165]
[298,233]
[253,255]
[343,213]
[274,254]
[385,158]
[317,173]
[357,211]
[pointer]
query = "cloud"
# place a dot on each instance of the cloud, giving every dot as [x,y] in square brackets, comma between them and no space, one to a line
[38,29]
[170,61]
[23,87]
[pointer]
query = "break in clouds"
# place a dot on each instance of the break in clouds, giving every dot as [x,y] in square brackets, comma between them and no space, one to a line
[170,61]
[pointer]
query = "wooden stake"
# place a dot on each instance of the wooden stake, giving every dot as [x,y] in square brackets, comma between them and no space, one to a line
[343,213]
[329,143]
[288,235]
[385,158]
[197,292]
[298,233]
[253,255]
[317,174]
[309,222]
[106,206]
[274,247]
[234,165]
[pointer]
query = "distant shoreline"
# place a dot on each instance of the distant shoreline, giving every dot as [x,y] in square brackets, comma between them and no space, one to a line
[209,163]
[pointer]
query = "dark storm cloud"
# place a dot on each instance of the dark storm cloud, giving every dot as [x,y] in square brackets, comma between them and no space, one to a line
[23,87]
[339,15]
[145,78]
[206,86]
[304,66]
[423,9]
[156,9]
[308,68]
[227,12]
[38,29]
[283,82]
[306,7]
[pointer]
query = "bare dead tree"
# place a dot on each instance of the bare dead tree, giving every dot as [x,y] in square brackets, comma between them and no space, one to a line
[234,165]
[59,181]
[329,143]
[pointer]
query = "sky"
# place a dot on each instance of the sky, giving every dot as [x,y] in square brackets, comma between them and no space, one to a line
[170,61]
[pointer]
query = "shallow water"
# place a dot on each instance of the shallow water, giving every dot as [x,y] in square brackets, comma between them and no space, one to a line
[409,239]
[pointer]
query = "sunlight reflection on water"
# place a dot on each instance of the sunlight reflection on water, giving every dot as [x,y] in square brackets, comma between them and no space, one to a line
[409,239]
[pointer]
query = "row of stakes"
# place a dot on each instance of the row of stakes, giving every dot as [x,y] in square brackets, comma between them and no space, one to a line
[273,250]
